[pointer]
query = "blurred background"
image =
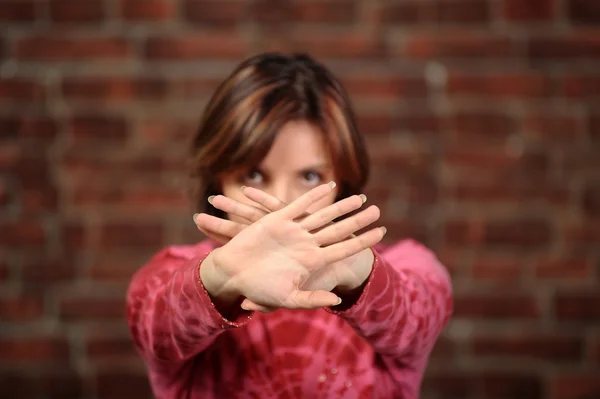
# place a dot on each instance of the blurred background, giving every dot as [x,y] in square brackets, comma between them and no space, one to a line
[483,124]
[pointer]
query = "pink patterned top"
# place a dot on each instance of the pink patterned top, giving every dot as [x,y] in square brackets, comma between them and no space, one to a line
[377,348]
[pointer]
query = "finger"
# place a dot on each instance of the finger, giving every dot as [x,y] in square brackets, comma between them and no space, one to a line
[269,202]
[341,230]
[299,206]
[311,300]
[217,225]
[233,207]
[247,304]
[331,212]
[345,249]
[217,237]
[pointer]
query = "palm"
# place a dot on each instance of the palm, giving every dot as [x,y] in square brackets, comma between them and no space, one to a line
[276,260]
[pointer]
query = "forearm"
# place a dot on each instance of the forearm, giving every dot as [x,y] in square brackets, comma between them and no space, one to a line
[402,308]
[170,314]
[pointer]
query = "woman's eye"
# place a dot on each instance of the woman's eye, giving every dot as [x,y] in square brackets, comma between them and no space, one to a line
[254,177]
[313,178]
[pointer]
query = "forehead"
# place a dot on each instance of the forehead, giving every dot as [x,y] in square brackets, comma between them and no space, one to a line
[298,144]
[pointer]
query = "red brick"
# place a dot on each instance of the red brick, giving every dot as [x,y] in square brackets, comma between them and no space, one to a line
[497,269]
[585,12]
[196,47]
[34,349]
[20,89]
[18,10]
[499,85]
[370,124]
[113,88]
[532,10]
[591,200]
[514,385]
[594,128]
[516,346]
[459,12]
[578,46]
[83,129]
[448,384]
[90,308]
[583,87]
[158,133]
[343,46]
[74,235]
[131,235]
[404,13]
[575,386]
[27,127]
[54,48]
[564,268]
[116,268]
[480,126]
[499,306]
[512,193]
[63,383]
[47,270]
[551,128]
[38,199]
[22,233]
[420,122]
[75,11]
[327,12]
[193,87]
[4,271]
[6,194]
[138,200]
[516,233]
[147,10]
[488,164]
[81,165]
[577,306]
[216,13]
[595,349]
[20,308]
[583,234]
[444,348]
[99,348]
[459,44]
[402,229]
[383,87]
[122,384]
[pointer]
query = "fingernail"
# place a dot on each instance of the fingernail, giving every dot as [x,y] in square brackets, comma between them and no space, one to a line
[210,199]
[195,217]
[242,188]
[338,302]
[363,198]
[384,230]
[332,184]
[243,307]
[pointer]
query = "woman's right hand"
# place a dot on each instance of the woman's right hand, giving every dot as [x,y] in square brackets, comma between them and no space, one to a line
[268,261]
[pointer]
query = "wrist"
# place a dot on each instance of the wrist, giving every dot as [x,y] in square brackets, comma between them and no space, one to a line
[360,271]
[216,282]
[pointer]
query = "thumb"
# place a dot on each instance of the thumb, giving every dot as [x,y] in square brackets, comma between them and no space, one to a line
[247,304]
[312,299]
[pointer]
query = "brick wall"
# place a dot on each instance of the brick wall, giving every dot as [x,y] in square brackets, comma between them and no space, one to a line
[482,116]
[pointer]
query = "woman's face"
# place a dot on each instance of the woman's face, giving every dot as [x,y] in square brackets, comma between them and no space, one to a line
[297,162]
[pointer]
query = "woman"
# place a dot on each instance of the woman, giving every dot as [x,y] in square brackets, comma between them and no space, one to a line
[283,300]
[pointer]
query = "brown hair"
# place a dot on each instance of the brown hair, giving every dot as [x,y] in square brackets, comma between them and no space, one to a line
[248,109]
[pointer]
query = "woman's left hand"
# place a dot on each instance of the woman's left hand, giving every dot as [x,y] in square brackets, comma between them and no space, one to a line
[344,276]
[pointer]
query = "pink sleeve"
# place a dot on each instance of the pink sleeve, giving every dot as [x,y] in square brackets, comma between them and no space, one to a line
[169,313]
[405,305]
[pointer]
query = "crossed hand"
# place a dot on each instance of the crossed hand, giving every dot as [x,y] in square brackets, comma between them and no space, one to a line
[286,257]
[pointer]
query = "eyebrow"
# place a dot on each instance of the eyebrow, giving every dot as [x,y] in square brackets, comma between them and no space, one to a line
[318,166]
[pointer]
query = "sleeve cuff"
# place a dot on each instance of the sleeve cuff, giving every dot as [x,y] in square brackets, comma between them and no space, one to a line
[238,317]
